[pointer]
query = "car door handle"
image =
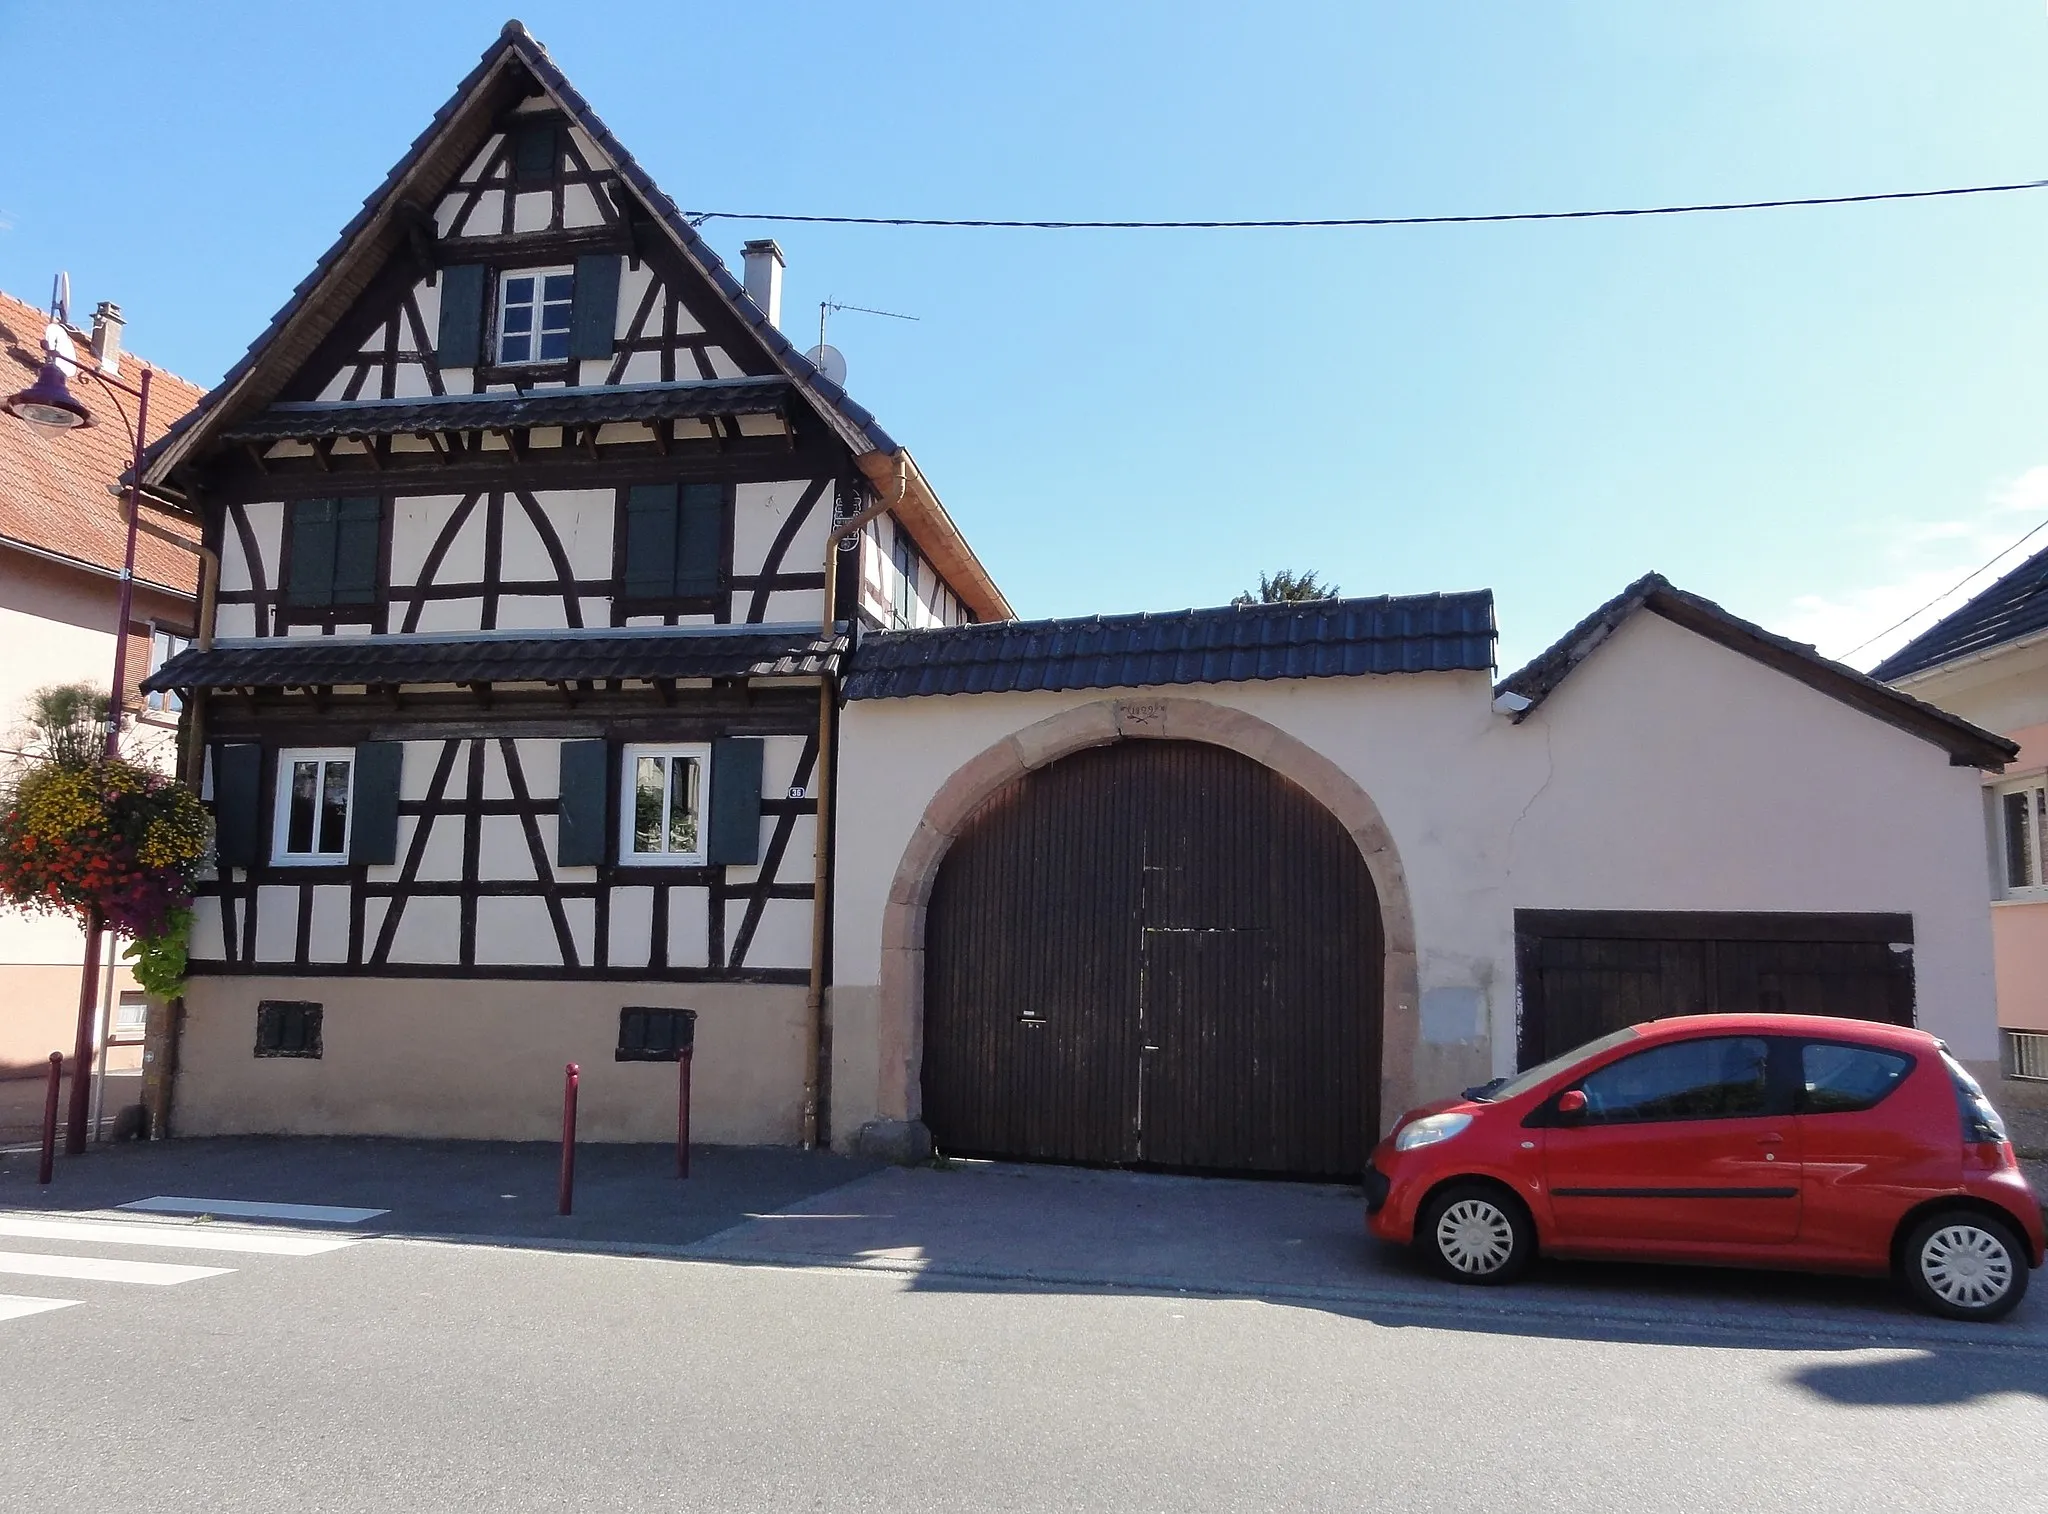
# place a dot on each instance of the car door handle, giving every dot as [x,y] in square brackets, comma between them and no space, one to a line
[1773,1139]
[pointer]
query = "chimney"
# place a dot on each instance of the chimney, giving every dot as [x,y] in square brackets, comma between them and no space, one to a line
[106,336]
[764,263]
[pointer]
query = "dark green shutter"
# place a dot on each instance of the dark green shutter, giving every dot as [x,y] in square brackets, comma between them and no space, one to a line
[700,539]
[462,316]
[535,152]
[596,308]
[580,833]
[238,804]
[311,576]
[357,528]
[373,828]
[735,801]
[650,566]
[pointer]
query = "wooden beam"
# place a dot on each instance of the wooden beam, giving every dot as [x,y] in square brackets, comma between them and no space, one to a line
[256,456]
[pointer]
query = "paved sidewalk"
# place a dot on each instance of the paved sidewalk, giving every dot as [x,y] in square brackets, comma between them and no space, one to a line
[627,1197]
[974,1225]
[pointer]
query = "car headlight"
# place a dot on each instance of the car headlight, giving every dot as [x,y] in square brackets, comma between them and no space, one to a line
[1429,1130]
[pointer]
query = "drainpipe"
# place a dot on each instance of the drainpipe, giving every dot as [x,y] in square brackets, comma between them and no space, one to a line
[816,1111]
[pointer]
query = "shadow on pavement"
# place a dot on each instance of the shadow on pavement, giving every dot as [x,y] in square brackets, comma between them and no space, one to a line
[501,1193]
[990,1226]
[1930,1378]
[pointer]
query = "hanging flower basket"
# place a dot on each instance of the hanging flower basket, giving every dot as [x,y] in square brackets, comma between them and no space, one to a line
[113,839]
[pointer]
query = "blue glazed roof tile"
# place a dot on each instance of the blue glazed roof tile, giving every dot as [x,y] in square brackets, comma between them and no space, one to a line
[1430,633]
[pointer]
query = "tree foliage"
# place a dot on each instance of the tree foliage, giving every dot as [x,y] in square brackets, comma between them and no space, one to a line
[1287,587]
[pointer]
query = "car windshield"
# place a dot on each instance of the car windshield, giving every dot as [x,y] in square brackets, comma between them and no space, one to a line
[1522,1082]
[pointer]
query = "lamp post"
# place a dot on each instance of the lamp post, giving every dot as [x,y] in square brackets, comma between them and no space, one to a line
[49,402]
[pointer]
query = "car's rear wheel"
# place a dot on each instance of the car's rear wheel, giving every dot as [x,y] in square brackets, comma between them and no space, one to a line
[1476,1233]
[1965,1265]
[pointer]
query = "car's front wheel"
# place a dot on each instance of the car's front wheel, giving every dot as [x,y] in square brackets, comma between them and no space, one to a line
[1965,1265]
[1476,1233]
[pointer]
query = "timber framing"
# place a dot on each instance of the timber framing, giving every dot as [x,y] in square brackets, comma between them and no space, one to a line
[387,239]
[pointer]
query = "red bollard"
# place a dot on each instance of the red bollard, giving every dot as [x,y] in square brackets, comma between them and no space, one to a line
[570,1078]
[44,1173]
[683,1116]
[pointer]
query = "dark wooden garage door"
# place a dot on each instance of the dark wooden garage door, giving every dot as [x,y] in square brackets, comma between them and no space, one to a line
[1587,972]
[1155,953]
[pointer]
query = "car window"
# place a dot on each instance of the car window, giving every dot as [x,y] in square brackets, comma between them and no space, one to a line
[1507,1088]
[1715,1078]
[1838,1079]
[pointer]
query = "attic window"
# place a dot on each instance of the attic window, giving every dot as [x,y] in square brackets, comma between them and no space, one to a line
[536,154]
[536,310]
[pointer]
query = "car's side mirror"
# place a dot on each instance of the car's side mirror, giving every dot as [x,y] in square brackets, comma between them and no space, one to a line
[1572,1103]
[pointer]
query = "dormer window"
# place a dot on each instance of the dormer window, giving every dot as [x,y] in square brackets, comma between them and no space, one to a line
[536,310]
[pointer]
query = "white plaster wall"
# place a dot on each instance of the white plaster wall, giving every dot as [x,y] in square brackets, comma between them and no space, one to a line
[1666,773]
[1677,774]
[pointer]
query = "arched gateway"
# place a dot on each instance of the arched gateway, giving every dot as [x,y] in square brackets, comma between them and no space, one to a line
[1157,953]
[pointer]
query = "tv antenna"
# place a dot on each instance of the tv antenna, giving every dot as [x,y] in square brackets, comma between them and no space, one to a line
[829,360]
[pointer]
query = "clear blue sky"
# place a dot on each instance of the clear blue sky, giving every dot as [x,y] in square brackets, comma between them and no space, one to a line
[1818,417]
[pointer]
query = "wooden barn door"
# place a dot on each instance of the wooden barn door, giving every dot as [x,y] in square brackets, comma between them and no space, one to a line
[1159,954]
[1587,972]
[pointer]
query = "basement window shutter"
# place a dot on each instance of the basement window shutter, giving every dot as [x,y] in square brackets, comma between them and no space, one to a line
[461,343]
[700,539]
[313,532]
[735,834]
[237,801]
[596,307]
[580,832]
[373,828]
[357,526]
[650,567]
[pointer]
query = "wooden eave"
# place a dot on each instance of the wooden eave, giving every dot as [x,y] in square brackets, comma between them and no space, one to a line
[936,535]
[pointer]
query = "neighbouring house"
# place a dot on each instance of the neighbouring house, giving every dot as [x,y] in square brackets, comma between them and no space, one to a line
[543,712]
[1988,662]
[62,538]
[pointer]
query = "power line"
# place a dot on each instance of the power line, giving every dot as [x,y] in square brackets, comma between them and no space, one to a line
[1966,578]
[699,217]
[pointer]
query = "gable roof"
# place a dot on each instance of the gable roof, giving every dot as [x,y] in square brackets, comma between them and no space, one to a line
[1422,633]
[60,491]
[499,81]
[1967,745]
[2012,609]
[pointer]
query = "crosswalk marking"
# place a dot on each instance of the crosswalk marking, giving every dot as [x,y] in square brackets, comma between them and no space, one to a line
[16,1306]
[97,1269]
[242,1209]
[183,1237]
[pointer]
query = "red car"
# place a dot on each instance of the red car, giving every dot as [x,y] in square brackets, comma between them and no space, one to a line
[1753,1140]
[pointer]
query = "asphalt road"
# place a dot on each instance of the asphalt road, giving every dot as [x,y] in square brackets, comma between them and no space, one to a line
[393,1373]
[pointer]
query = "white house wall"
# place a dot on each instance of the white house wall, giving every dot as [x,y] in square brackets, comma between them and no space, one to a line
[1666,773]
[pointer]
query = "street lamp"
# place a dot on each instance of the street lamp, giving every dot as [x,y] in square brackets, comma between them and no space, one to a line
[49,402]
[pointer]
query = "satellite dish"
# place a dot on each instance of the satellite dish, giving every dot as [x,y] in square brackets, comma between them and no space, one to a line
[57,342]
[829,361]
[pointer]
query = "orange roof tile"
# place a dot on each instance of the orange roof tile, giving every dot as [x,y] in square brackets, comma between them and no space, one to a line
[60,490]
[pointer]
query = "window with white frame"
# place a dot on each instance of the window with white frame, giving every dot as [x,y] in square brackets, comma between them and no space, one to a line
[131,1017]
[662,819]
[163,646]
[313,792]
[535,310]
[2022,816]
[904,597]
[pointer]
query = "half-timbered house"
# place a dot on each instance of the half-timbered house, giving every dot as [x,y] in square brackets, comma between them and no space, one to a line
[509,703]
